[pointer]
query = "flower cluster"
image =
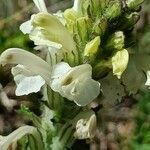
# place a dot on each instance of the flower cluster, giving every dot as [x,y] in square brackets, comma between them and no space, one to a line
[87,53]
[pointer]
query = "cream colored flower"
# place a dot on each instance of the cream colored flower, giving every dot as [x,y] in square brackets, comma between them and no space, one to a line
[11,139]
[31,73]
[45,29]
[120,62]
[76,83]
[86,128]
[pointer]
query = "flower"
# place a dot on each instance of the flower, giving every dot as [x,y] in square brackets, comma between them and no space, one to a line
[33,63]
[11,139]
[148,79]
[75,83]
[86,128]
[120,62]
[45,29]
[32,73]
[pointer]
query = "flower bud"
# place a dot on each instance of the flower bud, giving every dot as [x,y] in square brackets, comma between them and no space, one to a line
[70,15]
[103,4]
[95,8]
[133,4]
[100,26]
[129,20]
[82,27]
[116,41]
[120,62]
[86,128]
[102,68]
[113,9]
[92,48]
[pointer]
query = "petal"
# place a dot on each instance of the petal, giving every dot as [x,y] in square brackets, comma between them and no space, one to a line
[75,84]
[20,69]
[86,128]
[60,16]
[60,69]
[40,4]
[63,75]
[26,81]
[148,79]
[16,135]
[32,62]
[27,85]
[69,91]
[77,5]
[49,28]
[81,70]
[87,91]
[120,62]
[26,27]
[56,85]
[92,47]
[39,39]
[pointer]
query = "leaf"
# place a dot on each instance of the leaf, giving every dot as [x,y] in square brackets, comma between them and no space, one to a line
[134,77]
[112,90]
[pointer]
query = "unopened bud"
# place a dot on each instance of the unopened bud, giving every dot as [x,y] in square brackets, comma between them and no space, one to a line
[133,4]
[100,26]
[82,27]
[70,15]
[102,68]
[86,128]
[103,4]
[120,62]
[113,10]
[116,41]
[129,20]
[92,48]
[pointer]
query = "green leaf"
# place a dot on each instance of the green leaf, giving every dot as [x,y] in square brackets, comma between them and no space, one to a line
[134,77]
[112,90]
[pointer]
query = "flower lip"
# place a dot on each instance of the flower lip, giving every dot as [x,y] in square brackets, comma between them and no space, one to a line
[32,62]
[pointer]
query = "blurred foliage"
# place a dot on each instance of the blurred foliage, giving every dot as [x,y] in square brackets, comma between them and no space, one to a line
[143,29]
[141,139]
